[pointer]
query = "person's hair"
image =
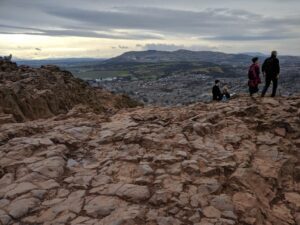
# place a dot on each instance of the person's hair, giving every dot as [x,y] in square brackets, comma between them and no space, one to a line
[255,59]
[274,53]
[217,81]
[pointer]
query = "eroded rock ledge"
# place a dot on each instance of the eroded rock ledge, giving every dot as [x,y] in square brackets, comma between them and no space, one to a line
[34,93]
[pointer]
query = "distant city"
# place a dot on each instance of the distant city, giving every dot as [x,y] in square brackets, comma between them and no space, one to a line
[173,78]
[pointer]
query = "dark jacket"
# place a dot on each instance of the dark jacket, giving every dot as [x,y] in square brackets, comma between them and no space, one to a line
[217,94]
[271,67]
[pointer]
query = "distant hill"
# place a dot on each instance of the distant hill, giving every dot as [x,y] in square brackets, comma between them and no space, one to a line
[181,55]
[258,54]
[220,58]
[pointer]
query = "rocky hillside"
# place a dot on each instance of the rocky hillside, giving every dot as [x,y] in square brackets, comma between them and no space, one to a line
[234,163]
[181,55]
[27,93]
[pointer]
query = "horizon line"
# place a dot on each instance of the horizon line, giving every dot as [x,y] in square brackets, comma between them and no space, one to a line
[16,58]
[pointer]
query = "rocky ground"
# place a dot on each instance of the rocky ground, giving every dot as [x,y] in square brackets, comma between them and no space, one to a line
[205,164]
[32,93]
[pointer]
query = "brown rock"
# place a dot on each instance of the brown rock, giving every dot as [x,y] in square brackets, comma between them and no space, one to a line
[4,218]
[73,203]
[283,214]
[173,184]
[6,180]
[101,180]
[280,131]
[52,167]
[202,129]
[124,215]
[211,212]
[244,201]
[293,198]
[167,221]
[20,189]
[101,206]
[222,202]
[297,218]
[267,168]
[134,193]
[19,208]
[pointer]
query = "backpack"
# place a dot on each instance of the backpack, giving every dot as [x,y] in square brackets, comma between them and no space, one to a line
[268,65]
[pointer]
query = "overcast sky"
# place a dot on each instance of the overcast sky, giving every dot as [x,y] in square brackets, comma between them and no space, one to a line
[96,28]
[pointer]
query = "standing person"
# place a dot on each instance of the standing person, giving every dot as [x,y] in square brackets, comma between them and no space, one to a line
[217,94]
[254,78]
[271,70]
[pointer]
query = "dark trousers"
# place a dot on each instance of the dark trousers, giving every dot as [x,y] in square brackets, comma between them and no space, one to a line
[253,90]
[274,80]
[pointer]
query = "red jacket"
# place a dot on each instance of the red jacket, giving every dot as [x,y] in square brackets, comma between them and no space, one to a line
[253,75]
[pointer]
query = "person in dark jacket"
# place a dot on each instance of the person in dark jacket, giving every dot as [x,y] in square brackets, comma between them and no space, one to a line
[253,75]
[217,94]
[271,70]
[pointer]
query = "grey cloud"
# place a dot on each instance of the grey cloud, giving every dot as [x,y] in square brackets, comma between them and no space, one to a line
[74,32]
[163,47]
[172,47]
[145,22]
[216,23]
[251,38]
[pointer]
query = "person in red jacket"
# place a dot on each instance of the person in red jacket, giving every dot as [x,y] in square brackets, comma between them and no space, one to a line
[253,75]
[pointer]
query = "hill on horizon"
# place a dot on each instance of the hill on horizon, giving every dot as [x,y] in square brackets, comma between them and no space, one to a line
[154,56]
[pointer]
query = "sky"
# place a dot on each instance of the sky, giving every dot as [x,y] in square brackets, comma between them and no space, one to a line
[37,29]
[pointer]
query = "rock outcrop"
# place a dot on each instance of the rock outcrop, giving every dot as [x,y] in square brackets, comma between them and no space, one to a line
[27,93]
[233,163]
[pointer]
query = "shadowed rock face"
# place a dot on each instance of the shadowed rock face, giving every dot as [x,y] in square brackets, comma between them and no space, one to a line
[27,93]
[205,164]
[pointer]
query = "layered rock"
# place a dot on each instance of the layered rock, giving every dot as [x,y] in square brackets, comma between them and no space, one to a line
[222,163]
[27,93]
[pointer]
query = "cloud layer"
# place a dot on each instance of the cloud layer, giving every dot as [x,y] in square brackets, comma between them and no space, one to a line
[214,23]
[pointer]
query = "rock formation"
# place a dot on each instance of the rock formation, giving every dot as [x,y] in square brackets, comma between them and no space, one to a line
[6,58]
[27,93]
[233,163]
